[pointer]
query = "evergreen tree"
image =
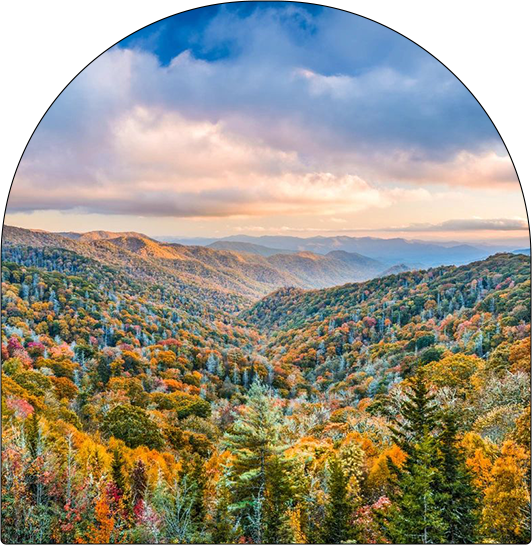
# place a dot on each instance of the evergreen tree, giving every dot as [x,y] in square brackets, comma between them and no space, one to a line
[259,476]
[278,495]
[194,471]
[103,370]
[416,516]
[32,434]
[419,414]
[336,523]
[117,470]
[459,498]
[221,523]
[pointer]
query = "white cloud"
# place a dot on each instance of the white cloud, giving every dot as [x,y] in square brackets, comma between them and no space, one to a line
[160,163]
[263,133]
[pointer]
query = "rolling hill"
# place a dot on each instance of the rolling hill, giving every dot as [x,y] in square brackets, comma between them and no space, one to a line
[201,269]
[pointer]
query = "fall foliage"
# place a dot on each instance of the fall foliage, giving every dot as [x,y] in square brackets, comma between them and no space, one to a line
[394,410]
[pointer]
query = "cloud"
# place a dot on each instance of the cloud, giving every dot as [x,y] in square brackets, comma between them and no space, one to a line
[275,109]
[154,163]
[474,224]
[487,170]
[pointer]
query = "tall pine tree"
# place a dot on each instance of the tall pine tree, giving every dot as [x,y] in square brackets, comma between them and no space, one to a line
[459,498]
[336,523]
[259,475]
[417,514]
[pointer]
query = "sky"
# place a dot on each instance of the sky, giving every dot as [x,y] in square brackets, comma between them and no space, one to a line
[269,118]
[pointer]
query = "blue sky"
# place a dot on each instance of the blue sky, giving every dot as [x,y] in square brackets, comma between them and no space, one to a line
[261,117]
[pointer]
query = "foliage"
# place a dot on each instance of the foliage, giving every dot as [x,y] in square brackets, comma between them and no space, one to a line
[138,406]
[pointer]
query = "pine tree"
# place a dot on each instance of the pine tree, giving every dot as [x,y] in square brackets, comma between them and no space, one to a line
[33,435]
[194,471]
[117,470]
[259,476]
[336,523]
[278,495]
[221,523]
[459,497]
[416,516]
[419,414]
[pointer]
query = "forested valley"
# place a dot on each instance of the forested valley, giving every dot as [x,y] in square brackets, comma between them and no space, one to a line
[141,406]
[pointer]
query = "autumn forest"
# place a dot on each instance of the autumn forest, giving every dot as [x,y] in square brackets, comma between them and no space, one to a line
[394,410]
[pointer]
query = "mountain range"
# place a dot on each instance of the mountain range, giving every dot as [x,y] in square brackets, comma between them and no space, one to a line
[241,268]
[393,251]
[129,359]
[229,270]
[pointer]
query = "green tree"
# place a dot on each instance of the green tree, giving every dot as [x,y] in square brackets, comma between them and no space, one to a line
[193,471]
[221,524]
[416,516]
[459,497]
[133,426]
[336,522]
[32,434]
[419,415]
[259,476]
[117,470]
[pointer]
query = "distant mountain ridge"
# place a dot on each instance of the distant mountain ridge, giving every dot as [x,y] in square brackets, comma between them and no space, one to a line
[251,272]
[248,248]
[98,235]
[393,251]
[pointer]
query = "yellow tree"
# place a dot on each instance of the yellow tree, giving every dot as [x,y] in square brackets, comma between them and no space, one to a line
[505,514]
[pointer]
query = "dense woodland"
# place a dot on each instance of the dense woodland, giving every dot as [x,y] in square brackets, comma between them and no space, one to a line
[391,411]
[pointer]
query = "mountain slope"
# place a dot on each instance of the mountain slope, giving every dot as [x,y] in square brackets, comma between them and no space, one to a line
[199,268]
[467,284]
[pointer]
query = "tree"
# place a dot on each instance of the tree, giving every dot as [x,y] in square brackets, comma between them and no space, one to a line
[459,498]
[117,470]
[259,473]
[186,405]
[133,426]
[33,434]
[505,513]
[221,523]
[336,523]
[193,471]
[139,482]
[278,495]
[416,516]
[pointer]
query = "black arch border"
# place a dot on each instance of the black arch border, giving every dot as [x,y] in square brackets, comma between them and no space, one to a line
[324,3]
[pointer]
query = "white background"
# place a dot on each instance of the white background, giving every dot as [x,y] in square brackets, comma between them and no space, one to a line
[485,43]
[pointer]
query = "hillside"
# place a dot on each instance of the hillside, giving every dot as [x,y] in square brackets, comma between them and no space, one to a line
[127,382]
[395,296]
[205,270]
